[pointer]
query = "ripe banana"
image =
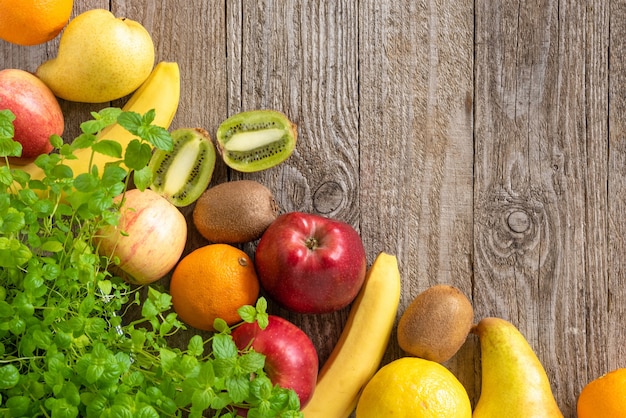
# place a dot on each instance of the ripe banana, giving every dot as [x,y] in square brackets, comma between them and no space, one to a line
[362,343]
[160,91]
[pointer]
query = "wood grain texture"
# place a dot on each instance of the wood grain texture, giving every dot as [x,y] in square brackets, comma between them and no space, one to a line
[416,145]
[608,305]
[481,143]
[540,196]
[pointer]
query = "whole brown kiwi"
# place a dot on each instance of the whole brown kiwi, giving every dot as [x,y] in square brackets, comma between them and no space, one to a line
[235,212]
[436,323]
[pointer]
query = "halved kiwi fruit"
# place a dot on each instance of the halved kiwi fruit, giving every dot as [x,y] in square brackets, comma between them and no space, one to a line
[256,140]
[235,212]
[183,174]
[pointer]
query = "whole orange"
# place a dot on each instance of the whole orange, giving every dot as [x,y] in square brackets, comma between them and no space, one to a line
[211,282]
[604,397]
[33,22]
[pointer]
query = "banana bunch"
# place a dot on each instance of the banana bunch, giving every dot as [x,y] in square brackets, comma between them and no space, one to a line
[160,91]
[362,344]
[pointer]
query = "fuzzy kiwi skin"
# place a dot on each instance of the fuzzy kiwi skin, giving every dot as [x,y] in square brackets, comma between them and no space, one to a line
[235,212]
[436,323]
[257,159]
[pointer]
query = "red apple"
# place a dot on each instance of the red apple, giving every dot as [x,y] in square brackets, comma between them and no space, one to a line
[149,239]
[310,263]
[36,109]
[291,359]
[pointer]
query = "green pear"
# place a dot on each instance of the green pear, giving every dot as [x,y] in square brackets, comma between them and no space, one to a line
[100,58]
[514,383]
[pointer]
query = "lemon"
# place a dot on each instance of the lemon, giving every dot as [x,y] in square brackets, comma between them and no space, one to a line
[416,388]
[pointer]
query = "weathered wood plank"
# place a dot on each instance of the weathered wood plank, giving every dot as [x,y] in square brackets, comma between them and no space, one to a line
[607,329]
[600,355]
[416,88]
[540,175]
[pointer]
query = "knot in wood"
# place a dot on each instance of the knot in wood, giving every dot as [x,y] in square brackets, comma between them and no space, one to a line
[518,221]
[328,197]
[511,229]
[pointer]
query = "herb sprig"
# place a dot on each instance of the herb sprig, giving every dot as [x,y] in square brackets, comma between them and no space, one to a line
[66,347]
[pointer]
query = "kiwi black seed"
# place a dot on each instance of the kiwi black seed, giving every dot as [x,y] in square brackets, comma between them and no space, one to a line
[183,174]
[256,140]
[436,323]
[235,212]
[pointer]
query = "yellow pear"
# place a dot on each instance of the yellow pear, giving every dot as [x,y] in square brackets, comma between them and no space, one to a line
[514,382]
[100,58]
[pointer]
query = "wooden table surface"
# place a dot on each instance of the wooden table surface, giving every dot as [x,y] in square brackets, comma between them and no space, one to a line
[481,142]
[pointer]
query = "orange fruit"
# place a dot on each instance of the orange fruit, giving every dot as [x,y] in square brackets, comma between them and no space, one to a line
[604,397]
[212,282]
[33,22]
[413,387]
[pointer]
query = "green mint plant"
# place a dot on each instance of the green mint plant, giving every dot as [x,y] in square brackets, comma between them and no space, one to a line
[66,347]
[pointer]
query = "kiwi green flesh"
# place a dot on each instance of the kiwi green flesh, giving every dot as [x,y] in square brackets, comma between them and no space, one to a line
[251,140]
[183,174]
[256,140]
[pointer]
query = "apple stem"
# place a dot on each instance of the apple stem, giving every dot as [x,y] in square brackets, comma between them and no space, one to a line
[311,243]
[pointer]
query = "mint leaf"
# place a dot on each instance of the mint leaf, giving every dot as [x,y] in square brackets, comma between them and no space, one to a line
[18,405]
[9,376]
[262,388]
[251,361]
[86,182]
[61,407]
[148,117]
[247,313]
[6,178]
[85,140]
[262,316]
[12,221]
[238,387]
[101,120]
[56,141]
[113,174]
[13,253]
[168,358]
[108,147]
[99,202]
[62,171]
[6,124]
[162,300]
[224,346]
[137,155]
[10,148]
[52,246]
[143,178]
[105,287]
[201,400]
[221,326]
[149,310]
[147,411]
[157,136]
[206,375]
[131,121]
[195,347]
[142,127]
